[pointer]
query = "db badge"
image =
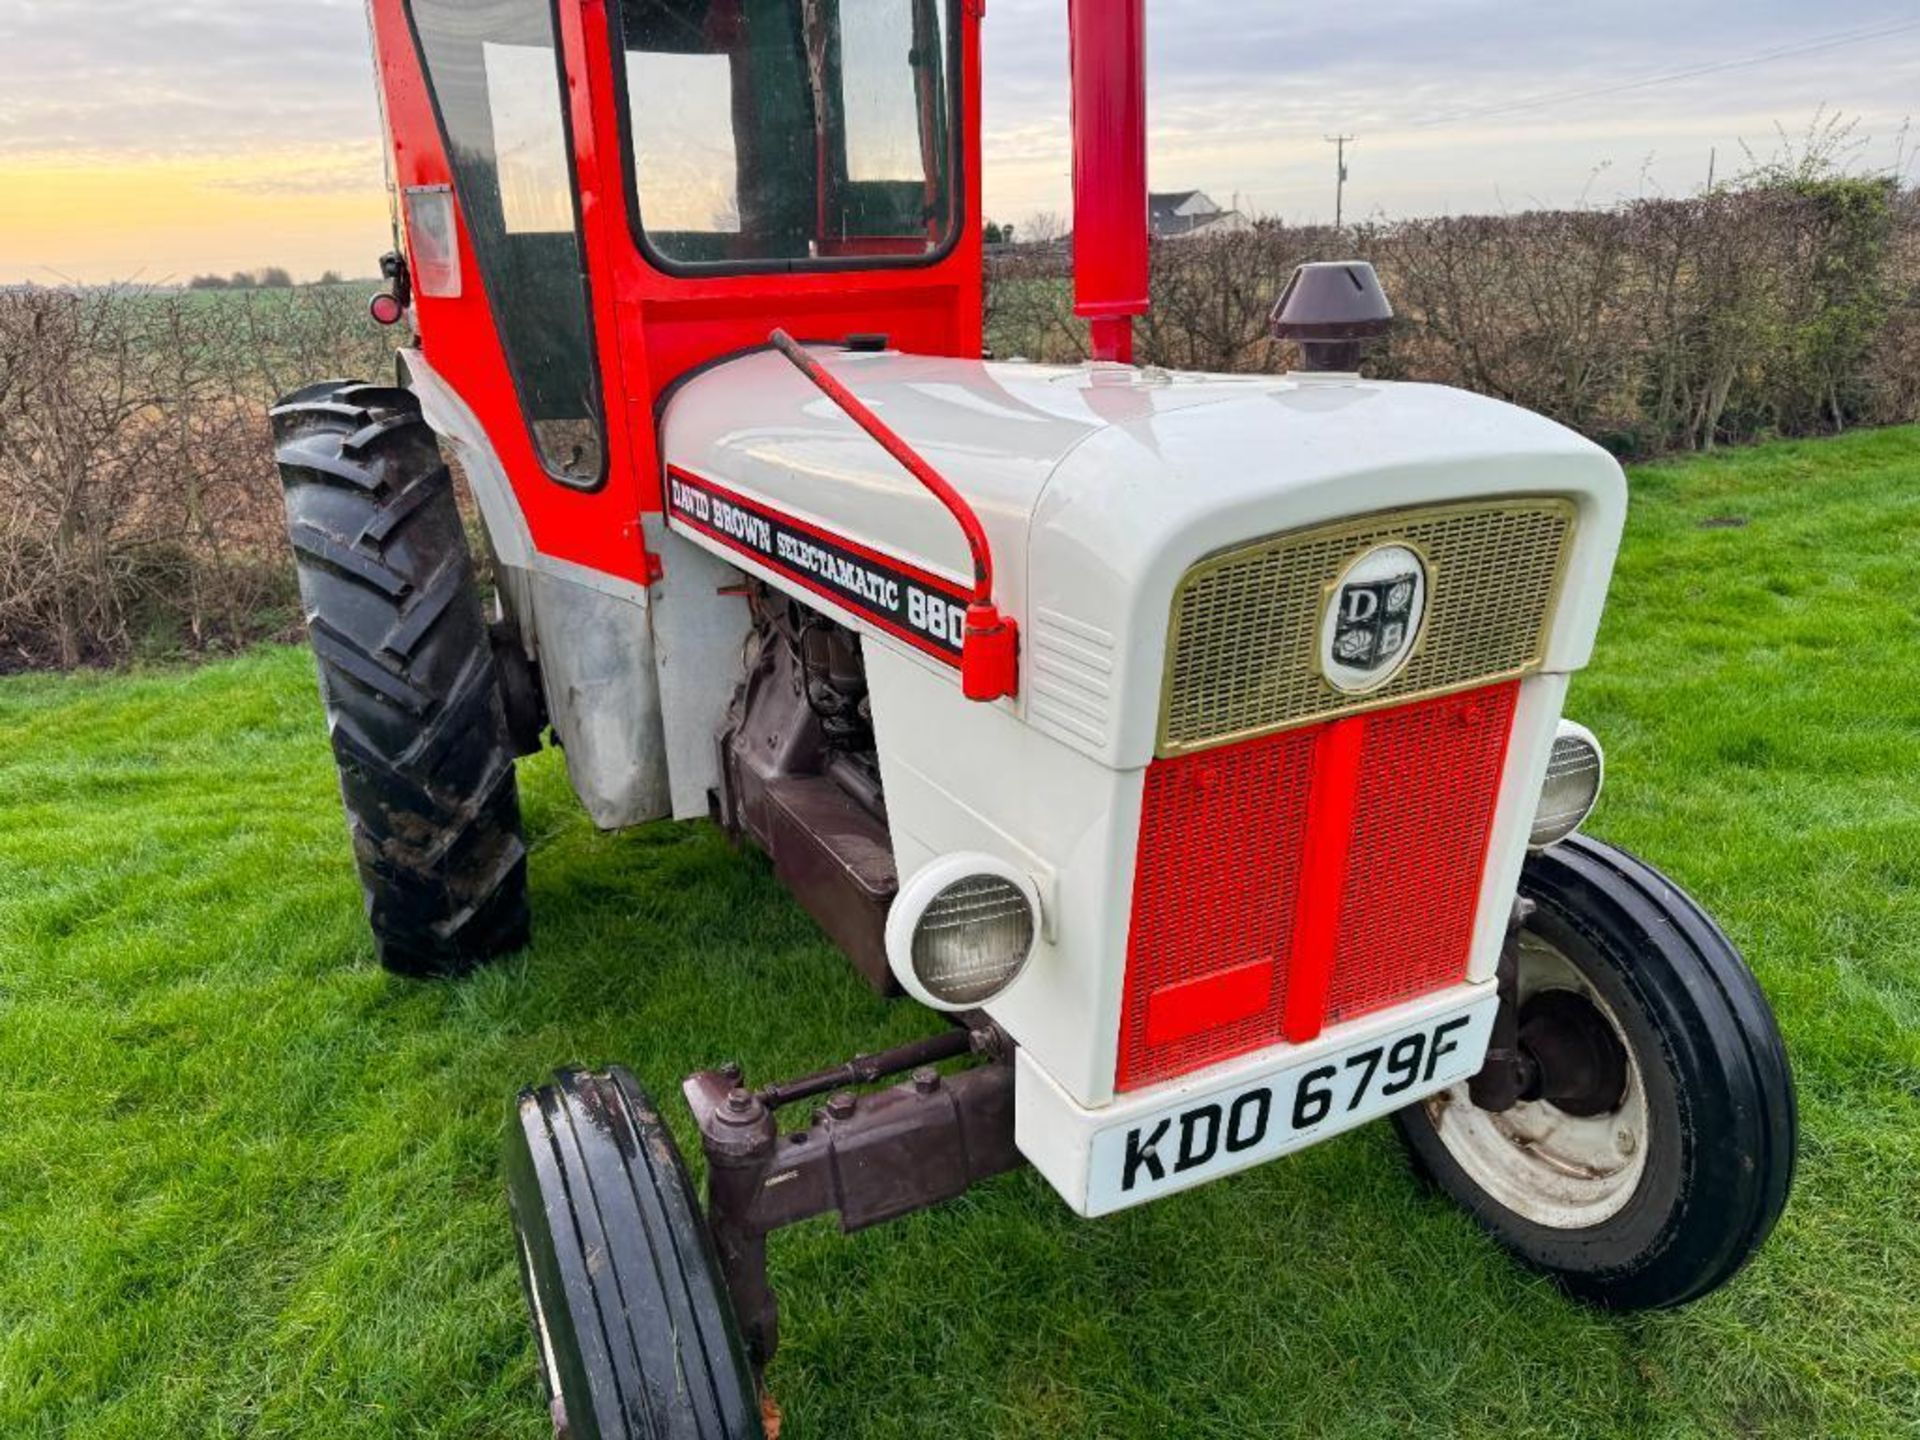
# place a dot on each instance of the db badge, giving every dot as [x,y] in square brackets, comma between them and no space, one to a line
[1373,618]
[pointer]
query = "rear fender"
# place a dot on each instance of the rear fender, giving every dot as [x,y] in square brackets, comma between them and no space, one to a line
[592,633]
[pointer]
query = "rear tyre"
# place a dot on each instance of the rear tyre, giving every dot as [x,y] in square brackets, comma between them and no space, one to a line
[1656,1150]
[635,1331]
[407,677]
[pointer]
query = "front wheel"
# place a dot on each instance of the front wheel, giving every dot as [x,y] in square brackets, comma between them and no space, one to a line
[1655,1148]
[631,1316]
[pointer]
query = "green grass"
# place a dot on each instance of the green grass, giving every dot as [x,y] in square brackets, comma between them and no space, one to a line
[249,1185]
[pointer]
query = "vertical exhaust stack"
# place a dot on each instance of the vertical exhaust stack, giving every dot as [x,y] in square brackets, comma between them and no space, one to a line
[1109,40]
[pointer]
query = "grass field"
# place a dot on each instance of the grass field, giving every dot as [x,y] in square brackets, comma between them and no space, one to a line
[249,1185]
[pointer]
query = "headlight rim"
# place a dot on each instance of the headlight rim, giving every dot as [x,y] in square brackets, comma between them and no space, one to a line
[1568,730]
[918,895]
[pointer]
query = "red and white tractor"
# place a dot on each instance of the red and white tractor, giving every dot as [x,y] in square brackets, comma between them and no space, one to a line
[1193,741]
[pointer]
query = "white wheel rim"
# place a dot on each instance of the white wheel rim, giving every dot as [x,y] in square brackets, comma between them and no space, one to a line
[1566,1172]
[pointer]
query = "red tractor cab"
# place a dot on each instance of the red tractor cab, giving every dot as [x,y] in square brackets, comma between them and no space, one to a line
[1194,743]
[600,200]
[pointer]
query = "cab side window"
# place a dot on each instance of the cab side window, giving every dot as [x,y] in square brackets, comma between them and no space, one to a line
[494,68]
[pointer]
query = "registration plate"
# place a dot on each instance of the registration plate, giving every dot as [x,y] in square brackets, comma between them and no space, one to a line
[1202,1136]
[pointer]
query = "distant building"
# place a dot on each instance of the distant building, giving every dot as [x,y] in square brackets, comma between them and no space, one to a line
[1184,214]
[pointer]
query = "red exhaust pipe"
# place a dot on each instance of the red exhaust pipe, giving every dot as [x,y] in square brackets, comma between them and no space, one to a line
[1109,41]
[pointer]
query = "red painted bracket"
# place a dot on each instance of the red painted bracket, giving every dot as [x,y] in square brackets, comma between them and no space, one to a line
[990,653]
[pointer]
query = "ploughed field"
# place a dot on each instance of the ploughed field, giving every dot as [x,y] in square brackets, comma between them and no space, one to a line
[249,1185]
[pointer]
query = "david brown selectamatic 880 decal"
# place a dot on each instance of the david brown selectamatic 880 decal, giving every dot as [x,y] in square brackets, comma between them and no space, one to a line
[916,605]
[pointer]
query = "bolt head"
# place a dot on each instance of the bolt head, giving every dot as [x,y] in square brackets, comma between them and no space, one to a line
[841,1104]
[739,1101]
[926,1080]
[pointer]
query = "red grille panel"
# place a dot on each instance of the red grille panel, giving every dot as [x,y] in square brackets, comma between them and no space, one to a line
[1430,776]
[1220,878]
[1215,889]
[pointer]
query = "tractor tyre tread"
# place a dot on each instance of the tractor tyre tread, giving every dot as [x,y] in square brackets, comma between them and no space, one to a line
[1731,1169]
[402,646]
[632,1317]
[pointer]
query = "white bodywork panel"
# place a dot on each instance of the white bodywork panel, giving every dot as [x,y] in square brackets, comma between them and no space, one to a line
[699,639]
[1099,487]
[984,781]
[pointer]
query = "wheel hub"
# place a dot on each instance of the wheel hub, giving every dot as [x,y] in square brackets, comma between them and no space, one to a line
[1579,1065]
[1571,1151]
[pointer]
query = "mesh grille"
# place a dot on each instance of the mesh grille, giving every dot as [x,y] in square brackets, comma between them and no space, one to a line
[1430,776]
[1216,887]
[1243,654]
[1218,880]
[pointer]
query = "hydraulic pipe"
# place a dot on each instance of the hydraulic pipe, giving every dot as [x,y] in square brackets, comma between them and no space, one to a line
[989,653]
[1109,43]
[866,1069]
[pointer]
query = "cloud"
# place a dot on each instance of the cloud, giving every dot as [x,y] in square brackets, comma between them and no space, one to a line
[354,170]
[165,77]
[274,99]
[1242,93]
[96,216]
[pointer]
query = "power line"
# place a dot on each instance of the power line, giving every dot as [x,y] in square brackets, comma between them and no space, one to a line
[1780,52]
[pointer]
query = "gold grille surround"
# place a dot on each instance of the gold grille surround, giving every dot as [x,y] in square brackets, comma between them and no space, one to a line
[1243,645]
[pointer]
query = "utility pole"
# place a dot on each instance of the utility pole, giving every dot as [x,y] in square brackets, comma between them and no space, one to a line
[1340,180]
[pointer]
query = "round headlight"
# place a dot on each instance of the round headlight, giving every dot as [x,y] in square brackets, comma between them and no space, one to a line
[1574,772]
[962,931]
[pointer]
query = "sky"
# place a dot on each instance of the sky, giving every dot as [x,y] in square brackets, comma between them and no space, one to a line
[154,139]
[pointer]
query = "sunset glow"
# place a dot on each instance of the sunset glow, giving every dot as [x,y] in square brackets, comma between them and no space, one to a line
[104,217]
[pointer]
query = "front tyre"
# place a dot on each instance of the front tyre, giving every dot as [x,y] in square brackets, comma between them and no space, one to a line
[634,1327]
[407,675]
[1654,1151]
